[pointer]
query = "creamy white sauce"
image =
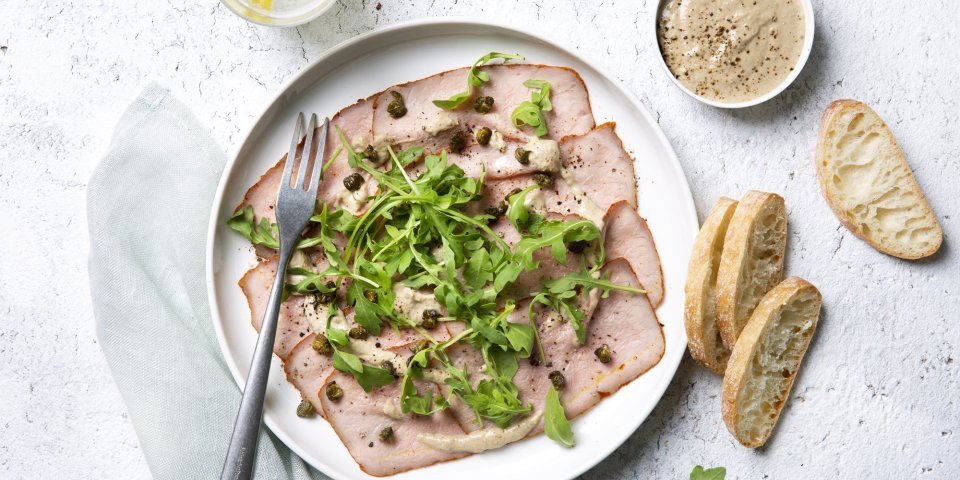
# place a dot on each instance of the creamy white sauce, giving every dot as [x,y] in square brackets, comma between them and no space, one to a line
[444,120]
[535,202]
[586,207]
[317,313]
[481,440]
[367,349]
[411,303]
[391,410]
[497,141]
[299,259]
[544,155]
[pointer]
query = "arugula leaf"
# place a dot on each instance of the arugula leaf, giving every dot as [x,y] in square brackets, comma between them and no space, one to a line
[475,78]
[531,112]
[555,423]
[715,473]
[262,233]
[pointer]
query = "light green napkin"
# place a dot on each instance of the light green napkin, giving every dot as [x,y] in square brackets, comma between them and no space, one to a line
[148,203]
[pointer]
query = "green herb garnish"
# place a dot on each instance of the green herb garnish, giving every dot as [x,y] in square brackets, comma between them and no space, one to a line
[715,473]
[475,78]
[555,423]
[531,112]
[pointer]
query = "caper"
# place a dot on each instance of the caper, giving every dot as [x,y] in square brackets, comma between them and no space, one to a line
[321,345]
[386,434]
[390,367]
[484,135]
[370,153]
[578,246]
[483,104]
[396,108]
[330,295]
[496,211]
[353,182]
[370,295]
[522,155]
[305,409]
[458,141]
[430,317]
[334,392]
[358,333]
[603,353]
[556,378]
[543,179]
[419,345]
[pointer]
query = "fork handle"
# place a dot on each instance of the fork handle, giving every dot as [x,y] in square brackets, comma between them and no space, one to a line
[243,445]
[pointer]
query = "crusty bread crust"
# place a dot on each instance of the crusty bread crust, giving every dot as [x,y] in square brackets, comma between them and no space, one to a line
[752,260]
[700,314]
[915,232]
[765,361]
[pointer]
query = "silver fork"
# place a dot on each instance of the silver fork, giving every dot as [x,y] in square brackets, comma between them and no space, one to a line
[295,204]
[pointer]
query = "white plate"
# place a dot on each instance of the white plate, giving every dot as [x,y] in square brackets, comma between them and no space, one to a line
[409,51]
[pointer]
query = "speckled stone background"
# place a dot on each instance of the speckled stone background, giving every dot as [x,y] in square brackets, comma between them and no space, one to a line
[878,397]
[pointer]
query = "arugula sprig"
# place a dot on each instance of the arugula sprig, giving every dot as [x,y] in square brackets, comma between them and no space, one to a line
[475,78]
[715,473]
[531,112]
[263,232]
[555,423]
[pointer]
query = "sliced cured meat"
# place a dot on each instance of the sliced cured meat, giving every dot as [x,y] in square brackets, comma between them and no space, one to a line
[600,167]
[355,121]
[628,326]
[293,324]
[307,370]
[627,236]
[359,417]
[571,114]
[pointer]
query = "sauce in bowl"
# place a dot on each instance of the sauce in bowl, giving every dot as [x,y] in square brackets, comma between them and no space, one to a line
[731,50]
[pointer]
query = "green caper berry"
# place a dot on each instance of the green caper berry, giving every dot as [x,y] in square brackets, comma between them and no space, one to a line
[386,434]
[603,353]
[321,345]
[496,211]
[483,104]
[353,182]
[390,367]
[358,333]
[430,317]
[334,392]
[484,135]
[578,246]
[556,378]
[371,296]
[305,409]
[419,345]
[458,141]
[543,179]
[370,153]
[396,108]
[522,156]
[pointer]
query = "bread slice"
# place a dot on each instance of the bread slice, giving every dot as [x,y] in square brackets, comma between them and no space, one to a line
[765,361]
[752,260]
[868,183]
[700,307]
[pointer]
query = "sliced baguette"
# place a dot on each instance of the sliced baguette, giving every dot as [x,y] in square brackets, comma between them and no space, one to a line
[868,183]
[765,361]
[700,306]
[752,260]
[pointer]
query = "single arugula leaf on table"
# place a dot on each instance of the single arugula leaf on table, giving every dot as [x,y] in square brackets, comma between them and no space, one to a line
[715,473]
[475,78]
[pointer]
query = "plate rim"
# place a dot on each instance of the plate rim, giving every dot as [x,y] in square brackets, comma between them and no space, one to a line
[534,33]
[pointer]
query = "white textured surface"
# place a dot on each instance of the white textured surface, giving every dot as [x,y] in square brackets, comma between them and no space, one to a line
[878,394]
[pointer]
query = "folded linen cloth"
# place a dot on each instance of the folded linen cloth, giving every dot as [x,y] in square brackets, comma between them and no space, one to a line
[148,203]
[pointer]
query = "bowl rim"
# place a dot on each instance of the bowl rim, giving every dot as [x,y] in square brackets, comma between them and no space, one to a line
[809,30]
[238,8]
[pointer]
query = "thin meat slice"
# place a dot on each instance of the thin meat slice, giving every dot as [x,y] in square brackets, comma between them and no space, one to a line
[628,326]
[293,324]
[571,114]
[359,417]
[600,166]
[627,236]
[355,121]
[307,370]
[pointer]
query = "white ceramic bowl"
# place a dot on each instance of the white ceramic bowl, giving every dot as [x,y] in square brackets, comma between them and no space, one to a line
[804,54]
